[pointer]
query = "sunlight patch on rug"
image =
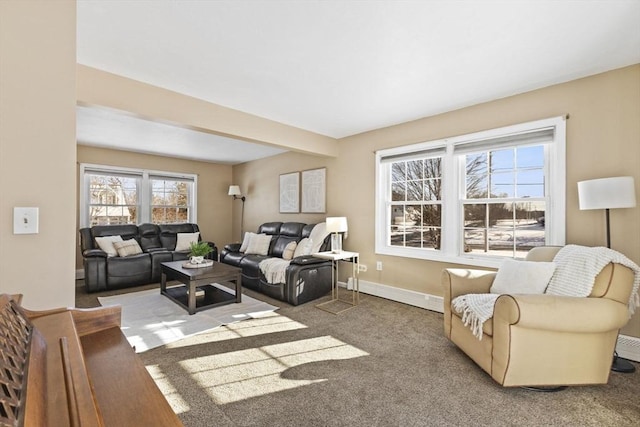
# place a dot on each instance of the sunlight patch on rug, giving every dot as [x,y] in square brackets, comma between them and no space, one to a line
[150,319]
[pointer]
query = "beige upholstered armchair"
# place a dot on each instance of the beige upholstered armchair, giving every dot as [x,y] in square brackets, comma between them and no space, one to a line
[542,340]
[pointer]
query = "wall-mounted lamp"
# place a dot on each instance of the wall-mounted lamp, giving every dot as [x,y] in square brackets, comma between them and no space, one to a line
[234,190]
[336,225]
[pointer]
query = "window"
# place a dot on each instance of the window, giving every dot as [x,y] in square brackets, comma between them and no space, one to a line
[169,200]
[127,196]
[473,199]
[113,198]
[416,202]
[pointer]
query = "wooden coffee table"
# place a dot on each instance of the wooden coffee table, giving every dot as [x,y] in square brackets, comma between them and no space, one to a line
[201,279]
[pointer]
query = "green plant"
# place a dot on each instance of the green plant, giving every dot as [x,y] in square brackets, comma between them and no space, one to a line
[201,248]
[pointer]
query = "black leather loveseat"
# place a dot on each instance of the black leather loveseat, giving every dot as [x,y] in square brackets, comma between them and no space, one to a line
[306,277]
[158,244]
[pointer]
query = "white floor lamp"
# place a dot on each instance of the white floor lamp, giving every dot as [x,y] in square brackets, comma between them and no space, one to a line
[609,193]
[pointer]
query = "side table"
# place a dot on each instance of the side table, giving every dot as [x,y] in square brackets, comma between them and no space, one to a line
[354,259]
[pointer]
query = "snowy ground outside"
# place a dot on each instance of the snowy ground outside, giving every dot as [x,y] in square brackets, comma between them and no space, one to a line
[499,238]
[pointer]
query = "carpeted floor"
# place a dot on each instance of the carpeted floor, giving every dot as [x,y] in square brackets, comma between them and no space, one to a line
[381,363]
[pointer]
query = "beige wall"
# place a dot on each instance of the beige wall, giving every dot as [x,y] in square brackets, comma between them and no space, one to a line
[38,148]
[603,139]
[260,181]
[214,205]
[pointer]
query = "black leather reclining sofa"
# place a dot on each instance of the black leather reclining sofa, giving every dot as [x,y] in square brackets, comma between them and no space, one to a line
[307,277]
[158,244]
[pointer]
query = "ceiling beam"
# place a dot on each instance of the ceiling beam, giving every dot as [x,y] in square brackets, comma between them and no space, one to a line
[100,88]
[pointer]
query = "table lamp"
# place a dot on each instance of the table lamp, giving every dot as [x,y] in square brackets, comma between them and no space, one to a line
[336,225]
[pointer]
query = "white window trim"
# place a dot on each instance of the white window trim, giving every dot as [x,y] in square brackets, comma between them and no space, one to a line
[144,201]
[449,252]
[159,175]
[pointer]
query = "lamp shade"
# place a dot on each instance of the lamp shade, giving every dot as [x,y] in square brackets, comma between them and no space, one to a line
[337,224]
[607,193]
[234,190]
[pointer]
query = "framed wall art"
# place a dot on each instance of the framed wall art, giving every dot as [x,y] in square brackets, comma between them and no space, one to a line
[290,192]
[314,190]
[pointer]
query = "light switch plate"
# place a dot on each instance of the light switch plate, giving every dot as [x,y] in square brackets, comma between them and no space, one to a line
[25,220]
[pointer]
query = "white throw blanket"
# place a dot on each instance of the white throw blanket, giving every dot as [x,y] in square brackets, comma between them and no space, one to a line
[274,269]
[577,268]
[476,309]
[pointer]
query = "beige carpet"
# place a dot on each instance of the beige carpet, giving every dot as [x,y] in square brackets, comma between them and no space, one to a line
[380,364]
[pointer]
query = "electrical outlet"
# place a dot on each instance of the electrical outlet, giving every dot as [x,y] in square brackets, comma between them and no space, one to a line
[379,265]
[362,267]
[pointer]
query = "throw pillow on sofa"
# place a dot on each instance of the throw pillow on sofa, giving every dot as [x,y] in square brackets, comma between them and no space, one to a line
[317,236]
[106,244]
[245,242]
[184,240]
[303,248]
[127,248]
[289,250]
[522,277]
[259,244]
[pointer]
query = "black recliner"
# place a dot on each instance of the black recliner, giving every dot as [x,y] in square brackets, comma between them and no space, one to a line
[307,277]
[158,244]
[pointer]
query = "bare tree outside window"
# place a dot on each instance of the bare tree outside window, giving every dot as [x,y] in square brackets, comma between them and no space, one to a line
[416,187]
[114,195]
[112,199]
[504,209]
[170,201]
[473,198]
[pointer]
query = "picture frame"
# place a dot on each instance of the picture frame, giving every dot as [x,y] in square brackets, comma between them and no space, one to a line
[314,191]
[290,192]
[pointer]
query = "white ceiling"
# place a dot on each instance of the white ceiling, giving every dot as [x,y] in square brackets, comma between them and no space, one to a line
[107,128]
[339,68]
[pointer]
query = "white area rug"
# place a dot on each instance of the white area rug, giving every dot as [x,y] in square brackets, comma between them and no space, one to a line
[150,319]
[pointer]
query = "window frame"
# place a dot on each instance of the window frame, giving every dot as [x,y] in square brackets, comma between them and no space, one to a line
[452,198]
[165,177]
[87,190]
[144,189]
[423,156]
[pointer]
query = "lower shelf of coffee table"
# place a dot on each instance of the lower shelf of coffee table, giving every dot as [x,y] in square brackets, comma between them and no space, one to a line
[213,297]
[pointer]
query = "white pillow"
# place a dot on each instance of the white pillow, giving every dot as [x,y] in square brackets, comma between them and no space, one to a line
[246,240]
[106,244]
[522,277]
[184,240]
[303,248]
[259,244]
[289,250]
[317,236]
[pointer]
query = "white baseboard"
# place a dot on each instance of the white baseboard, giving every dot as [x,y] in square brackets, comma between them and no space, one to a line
[627,347]
[79,274]
[417,299]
